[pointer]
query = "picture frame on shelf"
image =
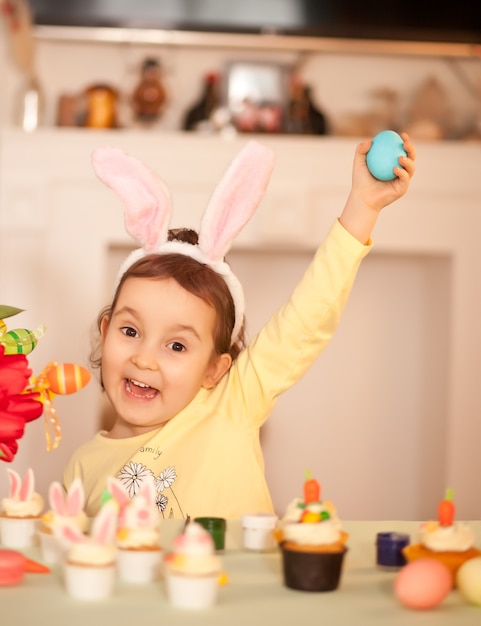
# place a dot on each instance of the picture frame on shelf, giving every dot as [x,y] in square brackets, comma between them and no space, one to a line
[256,96]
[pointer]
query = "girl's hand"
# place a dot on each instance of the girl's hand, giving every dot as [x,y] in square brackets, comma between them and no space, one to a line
[369,195]
[377,194]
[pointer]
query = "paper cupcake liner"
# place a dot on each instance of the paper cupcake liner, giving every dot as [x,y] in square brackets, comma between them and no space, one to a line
[89,583]
[192,592]
[53,550]
[139,566]
[18,532]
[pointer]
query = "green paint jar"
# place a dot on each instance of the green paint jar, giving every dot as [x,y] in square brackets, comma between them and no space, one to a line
[216,527]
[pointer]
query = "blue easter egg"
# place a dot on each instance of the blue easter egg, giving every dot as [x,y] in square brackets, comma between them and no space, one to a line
[384,153]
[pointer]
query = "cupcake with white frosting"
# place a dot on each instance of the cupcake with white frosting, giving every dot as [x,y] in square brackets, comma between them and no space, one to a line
[20,511]
[139,556]
[193,570]
[65,508]
[90,564]
[312,542]
[445,539]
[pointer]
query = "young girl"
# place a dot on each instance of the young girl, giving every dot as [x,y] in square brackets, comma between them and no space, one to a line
[189,397]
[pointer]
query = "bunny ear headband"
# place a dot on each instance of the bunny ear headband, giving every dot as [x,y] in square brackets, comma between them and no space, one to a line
[148,210]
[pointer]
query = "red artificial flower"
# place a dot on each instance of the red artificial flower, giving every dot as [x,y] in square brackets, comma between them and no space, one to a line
[17,407]
[8,451]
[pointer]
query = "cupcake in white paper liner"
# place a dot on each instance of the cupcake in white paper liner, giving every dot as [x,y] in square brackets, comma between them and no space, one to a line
[90,564]
[193,571]
[20,511]
[63,508]
[139,555]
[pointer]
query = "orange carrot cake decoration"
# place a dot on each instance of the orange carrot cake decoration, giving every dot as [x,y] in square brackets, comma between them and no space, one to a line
[447,509]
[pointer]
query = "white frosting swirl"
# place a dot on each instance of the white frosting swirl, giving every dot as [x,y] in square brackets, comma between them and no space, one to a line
[138,538]
[13,507]
[54,520]
[314,534]
[92,553]
[193,553]
[325,532]
[457,537]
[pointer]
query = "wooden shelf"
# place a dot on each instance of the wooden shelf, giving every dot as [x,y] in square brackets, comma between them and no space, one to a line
[265,41]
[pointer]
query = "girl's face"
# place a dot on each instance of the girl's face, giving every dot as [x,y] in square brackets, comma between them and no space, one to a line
[157,352]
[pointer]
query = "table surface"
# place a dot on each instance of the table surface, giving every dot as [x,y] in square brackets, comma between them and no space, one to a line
[254,593]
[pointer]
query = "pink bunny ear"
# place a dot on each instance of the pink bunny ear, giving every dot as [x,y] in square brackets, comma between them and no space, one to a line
[56,498]
[28,486]
[118,492]
[235,199]
[75,498]
[69,532]
[147,491]
[15,483]
[104,525]
[146,199]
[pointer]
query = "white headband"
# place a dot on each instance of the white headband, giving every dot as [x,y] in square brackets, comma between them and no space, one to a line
[148,210]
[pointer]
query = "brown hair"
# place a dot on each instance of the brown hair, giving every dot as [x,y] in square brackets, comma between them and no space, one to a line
[196,278]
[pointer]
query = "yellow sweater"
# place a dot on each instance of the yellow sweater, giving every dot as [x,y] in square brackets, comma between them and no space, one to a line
[208,459]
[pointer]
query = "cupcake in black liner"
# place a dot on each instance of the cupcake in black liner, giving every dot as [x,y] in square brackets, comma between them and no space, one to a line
[312,571]
[312,542]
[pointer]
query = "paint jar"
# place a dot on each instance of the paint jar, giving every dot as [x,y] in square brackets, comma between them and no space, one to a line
[257,531]
[389,547]
[216,527]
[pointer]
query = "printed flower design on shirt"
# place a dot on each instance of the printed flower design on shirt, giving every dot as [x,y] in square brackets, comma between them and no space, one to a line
[161,501]
[165,479]
[132,475]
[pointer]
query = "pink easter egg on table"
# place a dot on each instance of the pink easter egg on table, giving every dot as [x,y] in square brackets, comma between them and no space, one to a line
[423,584]
[67,378]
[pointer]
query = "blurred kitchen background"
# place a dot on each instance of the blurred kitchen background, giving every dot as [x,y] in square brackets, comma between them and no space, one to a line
[391,414]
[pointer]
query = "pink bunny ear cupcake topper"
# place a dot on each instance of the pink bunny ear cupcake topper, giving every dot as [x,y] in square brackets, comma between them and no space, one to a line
[138,512]
[22,490]
[23,500]
[148,210]
[20,511]
[68,504]
[65,508]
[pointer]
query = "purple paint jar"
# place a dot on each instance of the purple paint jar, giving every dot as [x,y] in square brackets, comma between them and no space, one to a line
[389,547]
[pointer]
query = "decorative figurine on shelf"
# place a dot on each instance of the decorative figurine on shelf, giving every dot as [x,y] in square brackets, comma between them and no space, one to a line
[200,114]
[100,110]
[262,117]
[149,97]
[303,116]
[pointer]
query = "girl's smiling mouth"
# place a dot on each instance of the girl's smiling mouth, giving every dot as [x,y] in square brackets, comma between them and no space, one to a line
[140,390]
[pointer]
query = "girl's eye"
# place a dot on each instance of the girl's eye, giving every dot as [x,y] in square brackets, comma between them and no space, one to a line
[129,331]
[176,346]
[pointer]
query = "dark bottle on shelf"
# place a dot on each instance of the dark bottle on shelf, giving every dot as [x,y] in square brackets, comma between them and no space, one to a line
[316,120]
[303,116]
[209,102]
